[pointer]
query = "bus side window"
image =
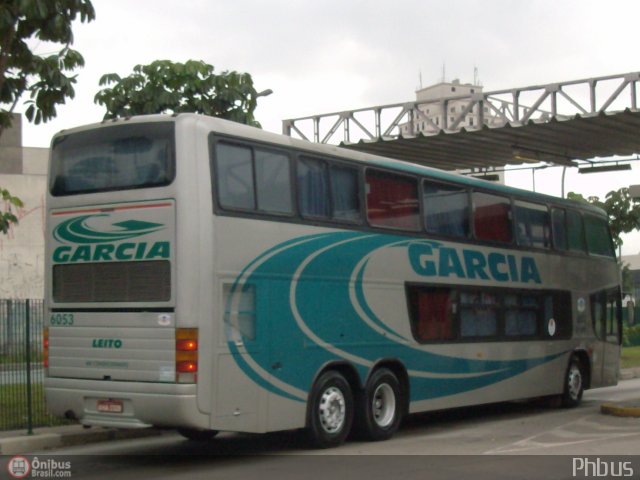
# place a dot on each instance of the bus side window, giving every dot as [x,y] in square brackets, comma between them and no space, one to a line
[433,313]
[598,236]
[273,184]
[345,193]
[575,232]
[492,217]
[446,209]
[558,220]
[532,225]
[313,188]
[234,177]
[392,201]
[253,179]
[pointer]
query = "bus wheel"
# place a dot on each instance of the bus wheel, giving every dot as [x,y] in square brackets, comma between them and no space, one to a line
[573,384]
[381,411]
[197,435]
[330,410]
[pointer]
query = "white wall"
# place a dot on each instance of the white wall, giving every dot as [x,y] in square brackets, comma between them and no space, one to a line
[22,249]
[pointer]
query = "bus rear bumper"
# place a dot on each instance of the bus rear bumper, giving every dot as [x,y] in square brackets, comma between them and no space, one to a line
[134,405]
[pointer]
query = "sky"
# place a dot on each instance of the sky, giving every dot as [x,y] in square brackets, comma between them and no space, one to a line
[331,55]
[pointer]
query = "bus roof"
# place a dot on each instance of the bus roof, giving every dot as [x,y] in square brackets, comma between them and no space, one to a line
[226,127]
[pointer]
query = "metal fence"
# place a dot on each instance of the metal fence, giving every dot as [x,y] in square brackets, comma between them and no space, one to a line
[22,402]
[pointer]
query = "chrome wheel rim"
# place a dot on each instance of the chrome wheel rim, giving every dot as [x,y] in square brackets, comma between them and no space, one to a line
[332,410]
[574,382]
[383,405]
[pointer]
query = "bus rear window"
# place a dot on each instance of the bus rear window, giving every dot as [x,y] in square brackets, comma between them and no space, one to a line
[113,158]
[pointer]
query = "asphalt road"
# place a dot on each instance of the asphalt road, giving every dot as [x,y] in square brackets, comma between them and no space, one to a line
[513,440]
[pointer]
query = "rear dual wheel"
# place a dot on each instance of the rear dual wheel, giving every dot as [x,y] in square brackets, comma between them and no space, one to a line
[380,412]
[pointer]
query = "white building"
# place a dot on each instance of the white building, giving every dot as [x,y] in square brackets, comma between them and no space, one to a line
[23,172]
[431,104]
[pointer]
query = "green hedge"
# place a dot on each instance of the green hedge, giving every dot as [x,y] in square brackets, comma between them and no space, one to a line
[631,336]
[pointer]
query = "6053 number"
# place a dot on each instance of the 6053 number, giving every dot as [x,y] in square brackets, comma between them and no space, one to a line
[61,319]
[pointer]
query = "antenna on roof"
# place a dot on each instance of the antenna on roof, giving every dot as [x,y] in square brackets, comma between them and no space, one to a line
[476,77]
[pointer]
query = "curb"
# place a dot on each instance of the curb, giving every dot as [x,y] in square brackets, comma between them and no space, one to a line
[75,435]
[629,373]
[620,410]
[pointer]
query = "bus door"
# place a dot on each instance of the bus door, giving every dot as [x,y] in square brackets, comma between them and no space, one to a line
[606,313]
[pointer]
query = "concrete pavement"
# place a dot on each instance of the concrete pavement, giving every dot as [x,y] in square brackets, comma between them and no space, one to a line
[17,441]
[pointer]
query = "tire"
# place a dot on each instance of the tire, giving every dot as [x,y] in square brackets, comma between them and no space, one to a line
[197,435]
[573,384]
[381,406]
[330,410]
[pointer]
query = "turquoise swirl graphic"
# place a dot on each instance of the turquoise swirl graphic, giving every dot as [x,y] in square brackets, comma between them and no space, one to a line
[311,309]
[76,230]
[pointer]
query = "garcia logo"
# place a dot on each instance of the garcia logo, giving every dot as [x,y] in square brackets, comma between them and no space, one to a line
[93,245]
[76,230]
[471,264]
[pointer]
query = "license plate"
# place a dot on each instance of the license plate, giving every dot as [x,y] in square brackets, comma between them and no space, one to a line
[110,406]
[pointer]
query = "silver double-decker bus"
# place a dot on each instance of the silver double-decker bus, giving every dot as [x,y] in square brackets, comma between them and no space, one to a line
[209,276]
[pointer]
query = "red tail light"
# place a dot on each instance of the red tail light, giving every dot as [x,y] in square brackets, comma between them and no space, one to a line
[186,355]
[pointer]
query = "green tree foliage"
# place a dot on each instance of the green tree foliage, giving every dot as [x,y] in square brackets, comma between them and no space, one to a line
[7,217]
[168,87]
[622,209]
[44,78]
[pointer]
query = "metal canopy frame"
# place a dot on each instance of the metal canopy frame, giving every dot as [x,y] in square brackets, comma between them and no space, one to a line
[557,123]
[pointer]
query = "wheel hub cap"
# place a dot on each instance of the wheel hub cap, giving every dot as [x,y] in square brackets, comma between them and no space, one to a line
[384,405]
[575,382]
[332,410]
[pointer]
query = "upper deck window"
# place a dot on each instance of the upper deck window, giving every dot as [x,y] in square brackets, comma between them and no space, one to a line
[446,209]
[328,191]
[575,232]
[136,155]
[598,236]
[533,227]
[392,201]
[249,178]
[492,217]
